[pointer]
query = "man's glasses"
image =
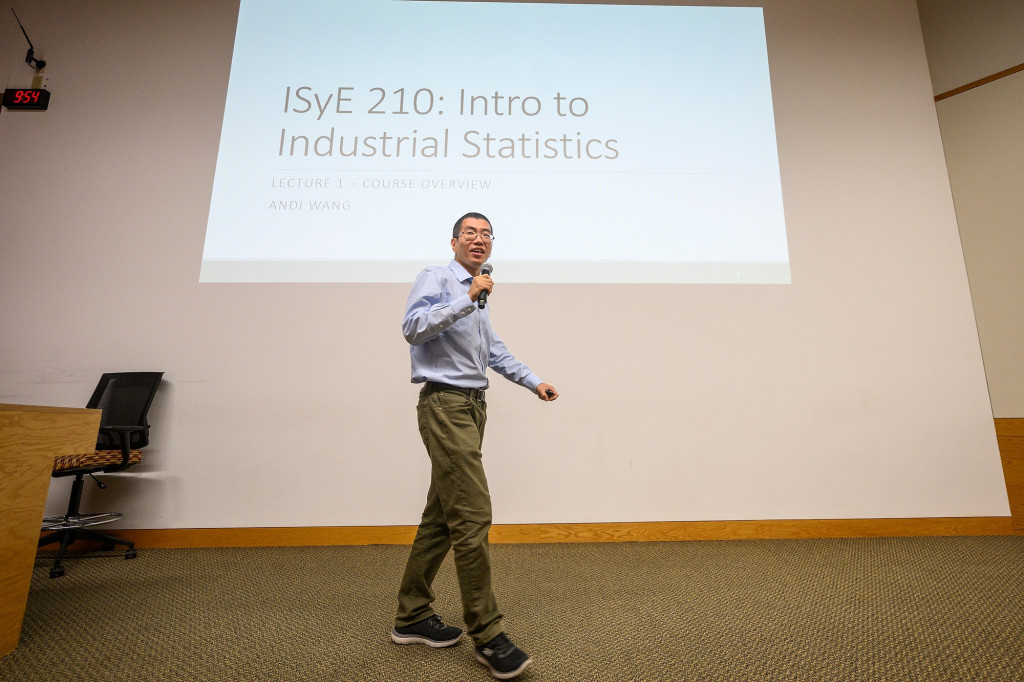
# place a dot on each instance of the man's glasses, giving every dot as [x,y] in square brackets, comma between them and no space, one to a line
[471,234]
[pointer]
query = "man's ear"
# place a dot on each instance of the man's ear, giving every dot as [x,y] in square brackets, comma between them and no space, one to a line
[453,245]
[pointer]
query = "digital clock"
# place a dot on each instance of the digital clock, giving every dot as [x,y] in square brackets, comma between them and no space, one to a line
[26,99]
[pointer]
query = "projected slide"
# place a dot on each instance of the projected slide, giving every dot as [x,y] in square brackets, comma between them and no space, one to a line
[631,144]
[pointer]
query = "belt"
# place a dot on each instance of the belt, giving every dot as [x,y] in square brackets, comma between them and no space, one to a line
[474,393]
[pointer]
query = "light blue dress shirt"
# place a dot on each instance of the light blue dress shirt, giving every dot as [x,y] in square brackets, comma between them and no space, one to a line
[451,340]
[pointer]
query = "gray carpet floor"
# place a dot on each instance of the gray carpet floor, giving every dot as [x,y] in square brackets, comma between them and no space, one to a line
[846,609]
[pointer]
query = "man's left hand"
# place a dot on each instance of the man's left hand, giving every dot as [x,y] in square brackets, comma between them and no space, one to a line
[547,392]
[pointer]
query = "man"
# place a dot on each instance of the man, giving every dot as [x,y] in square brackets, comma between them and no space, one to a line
[451,345]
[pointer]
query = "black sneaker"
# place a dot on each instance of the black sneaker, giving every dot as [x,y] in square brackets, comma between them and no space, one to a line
[504,658]
[431,631]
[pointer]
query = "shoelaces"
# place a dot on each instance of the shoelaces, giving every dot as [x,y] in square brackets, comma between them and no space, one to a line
[501,645]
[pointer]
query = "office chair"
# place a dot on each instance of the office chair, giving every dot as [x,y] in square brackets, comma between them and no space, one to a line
[125,398]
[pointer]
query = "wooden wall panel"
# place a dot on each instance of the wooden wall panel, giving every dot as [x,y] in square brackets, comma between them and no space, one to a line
[1010,434]
[30,437]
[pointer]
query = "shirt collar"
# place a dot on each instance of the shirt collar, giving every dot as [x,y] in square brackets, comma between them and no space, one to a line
[461,273]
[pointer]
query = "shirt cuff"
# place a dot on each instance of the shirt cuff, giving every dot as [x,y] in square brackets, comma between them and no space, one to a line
[463,305]
[532,381]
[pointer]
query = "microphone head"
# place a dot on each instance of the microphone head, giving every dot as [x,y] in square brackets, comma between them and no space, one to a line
[486,269]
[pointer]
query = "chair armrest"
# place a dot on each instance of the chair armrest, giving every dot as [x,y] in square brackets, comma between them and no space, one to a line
[124,436]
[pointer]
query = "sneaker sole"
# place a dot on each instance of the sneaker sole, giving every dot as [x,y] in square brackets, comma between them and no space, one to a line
[418,639]
[500,675]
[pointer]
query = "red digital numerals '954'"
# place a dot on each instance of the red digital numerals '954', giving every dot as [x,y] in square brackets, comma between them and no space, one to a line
[26,99]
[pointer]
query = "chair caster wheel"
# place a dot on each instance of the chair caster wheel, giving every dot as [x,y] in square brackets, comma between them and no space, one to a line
[130,554]
[56,571]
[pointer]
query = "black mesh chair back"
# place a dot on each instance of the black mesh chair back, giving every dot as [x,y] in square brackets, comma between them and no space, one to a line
[125,398]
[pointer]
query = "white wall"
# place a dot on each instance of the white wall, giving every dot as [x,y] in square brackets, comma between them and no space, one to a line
[856,391]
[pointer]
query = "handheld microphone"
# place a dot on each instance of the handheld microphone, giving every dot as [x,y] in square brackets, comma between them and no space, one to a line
[481,300]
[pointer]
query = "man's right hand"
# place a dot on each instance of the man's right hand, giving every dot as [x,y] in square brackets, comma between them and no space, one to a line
[480,283]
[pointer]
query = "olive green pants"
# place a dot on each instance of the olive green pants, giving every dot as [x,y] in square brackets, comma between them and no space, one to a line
[457,514]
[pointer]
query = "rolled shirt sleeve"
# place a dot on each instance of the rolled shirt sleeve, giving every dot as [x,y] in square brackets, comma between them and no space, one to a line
[451,340]
[430,309]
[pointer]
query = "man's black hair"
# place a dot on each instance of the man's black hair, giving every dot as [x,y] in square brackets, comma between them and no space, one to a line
[458,223]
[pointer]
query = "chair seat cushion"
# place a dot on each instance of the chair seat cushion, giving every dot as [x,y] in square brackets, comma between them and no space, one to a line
[94,460]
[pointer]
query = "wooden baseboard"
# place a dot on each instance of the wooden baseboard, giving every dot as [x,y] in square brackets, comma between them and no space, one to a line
[662,531]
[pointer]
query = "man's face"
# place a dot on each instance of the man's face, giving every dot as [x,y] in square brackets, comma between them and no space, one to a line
[473,252]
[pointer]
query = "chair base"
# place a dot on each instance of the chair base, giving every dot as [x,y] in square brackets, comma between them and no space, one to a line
[68,535]
[79,520]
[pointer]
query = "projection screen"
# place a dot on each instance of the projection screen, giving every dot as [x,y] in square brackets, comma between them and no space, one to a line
[606,143]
